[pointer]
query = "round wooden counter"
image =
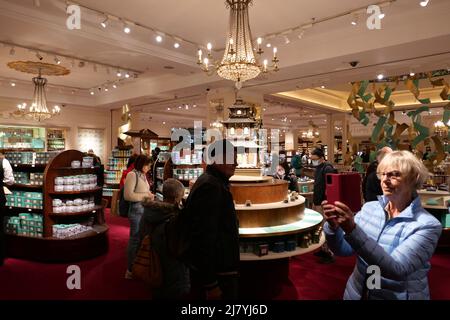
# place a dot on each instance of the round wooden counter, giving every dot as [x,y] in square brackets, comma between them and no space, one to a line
[260,192]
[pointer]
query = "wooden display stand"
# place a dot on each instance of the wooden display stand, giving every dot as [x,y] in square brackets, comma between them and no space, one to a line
[50,249]
[438,210]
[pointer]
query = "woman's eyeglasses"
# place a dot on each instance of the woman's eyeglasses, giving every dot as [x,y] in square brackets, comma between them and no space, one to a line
[390,175]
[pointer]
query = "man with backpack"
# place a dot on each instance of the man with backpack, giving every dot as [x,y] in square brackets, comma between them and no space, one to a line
[322,168]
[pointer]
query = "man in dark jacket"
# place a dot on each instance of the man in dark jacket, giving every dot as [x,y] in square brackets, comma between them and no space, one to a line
[322,168]
[213,226]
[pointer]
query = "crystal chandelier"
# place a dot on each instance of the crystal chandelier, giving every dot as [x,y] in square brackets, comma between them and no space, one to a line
[38,110]
[238,63]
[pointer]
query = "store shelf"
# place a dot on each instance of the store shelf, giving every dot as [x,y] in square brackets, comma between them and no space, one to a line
[78,169]
[283,255]
[28,167]
[77,192]
[74,214]
[17,210]
[25,186]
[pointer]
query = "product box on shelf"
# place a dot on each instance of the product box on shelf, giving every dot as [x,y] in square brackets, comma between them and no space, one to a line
[446,219]
[26,225]
[62,231]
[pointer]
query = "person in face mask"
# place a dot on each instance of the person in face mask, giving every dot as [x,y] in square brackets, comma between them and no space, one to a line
[322,168]
[290,177]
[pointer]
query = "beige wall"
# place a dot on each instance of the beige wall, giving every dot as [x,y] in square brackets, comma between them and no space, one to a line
[70,118]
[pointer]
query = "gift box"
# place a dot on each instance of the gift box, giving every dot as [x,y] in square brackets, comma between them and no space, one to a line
[261,249]
[291,245]
[278,247]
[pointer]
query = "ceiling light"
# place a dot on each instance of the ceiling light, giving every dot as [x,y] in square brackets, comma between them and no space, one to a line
[127,75]
[194,106]
[179,107]
[268,45]
[92,92]
[38,55]
[13,84]
[412,74]
[12,51]
[106,89]
[57,60]
[126,28]
[286,40]
[355,20]
[176,45]
[187,107]
[380,76]
[424,3]
[323,87]
[104,23]
[114,86]
[164,122]
[301,34]
[119,74]
[168,109]
[158,38]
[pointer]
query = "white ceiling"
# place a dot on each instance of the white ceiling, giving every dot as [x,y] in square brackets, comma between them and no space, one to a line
[411,37]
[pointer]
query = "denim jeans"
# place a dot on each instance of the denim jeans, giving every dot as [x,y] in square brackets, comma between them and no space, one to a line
[134,216]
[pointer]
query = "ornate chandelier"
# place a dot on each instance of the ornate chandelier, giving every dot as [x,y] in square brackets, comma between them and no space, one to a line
[38,110]
[238,63]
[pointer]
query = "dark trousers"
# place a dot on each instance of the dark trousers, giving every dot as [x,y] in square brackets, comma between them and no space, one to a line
[228,284]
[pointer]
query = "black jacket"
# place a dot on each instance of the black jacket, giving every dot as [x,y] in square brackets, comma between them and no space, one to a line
[371,183]
[213,227]
[320,182]
[175,273]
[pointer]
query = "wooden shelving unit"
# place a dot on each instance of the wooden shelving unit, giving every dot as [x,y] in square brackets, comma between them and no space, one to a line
[50,249]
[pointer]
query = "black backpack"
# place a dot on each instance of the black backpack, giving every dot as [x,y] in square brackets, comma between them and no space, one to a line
[124,205]
[177,233]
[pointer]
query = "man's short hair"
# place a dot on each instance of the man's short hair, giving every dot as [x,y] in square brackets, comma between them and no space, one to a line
[318,152]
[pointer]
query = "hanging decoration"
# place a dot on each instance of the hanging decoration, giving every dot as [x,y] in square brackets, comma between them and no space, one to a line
[387,130]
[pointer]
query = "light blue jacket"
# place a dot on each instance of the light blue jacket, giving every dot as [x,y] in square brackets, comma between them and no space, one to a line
[401,247]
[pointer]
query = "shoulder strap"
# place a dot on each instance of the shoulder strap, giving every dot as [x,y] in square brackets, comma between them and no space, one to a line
[137,177]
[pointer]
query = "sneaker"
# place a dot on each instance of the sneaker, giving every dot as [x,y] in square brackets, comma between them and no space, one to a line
[321,254]
[327,260]
[129,275]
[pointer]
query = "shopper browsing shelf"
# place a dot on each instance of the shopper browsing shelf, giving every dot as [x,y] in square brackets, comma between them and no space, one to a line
[213,227]
[395,234]
[6,178]
[136,190]
[175,274]
[290,177]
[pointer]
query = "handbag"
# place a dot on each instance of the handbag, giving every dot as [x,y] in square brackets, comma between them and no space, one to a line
[147,265]
[124,205]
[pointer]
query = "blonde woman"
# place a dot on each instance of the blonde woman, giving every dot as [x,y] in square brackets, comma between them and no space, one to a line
[394,235]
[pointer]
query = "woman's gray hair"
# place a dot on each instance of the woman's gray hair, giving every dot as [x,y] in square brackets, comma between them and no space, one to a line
[409,166]
[172,189]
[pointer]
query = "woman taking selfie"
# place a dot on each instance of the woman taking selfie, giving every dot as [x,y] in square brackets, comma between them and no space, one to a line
[394,234]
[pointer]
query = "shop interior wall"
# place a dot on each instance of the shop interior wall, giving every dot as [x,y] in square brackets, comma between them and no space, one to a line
[71,118]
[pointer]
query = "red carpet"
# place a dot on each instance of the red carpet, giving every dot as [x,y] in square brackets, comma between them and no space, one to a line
[103,277]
